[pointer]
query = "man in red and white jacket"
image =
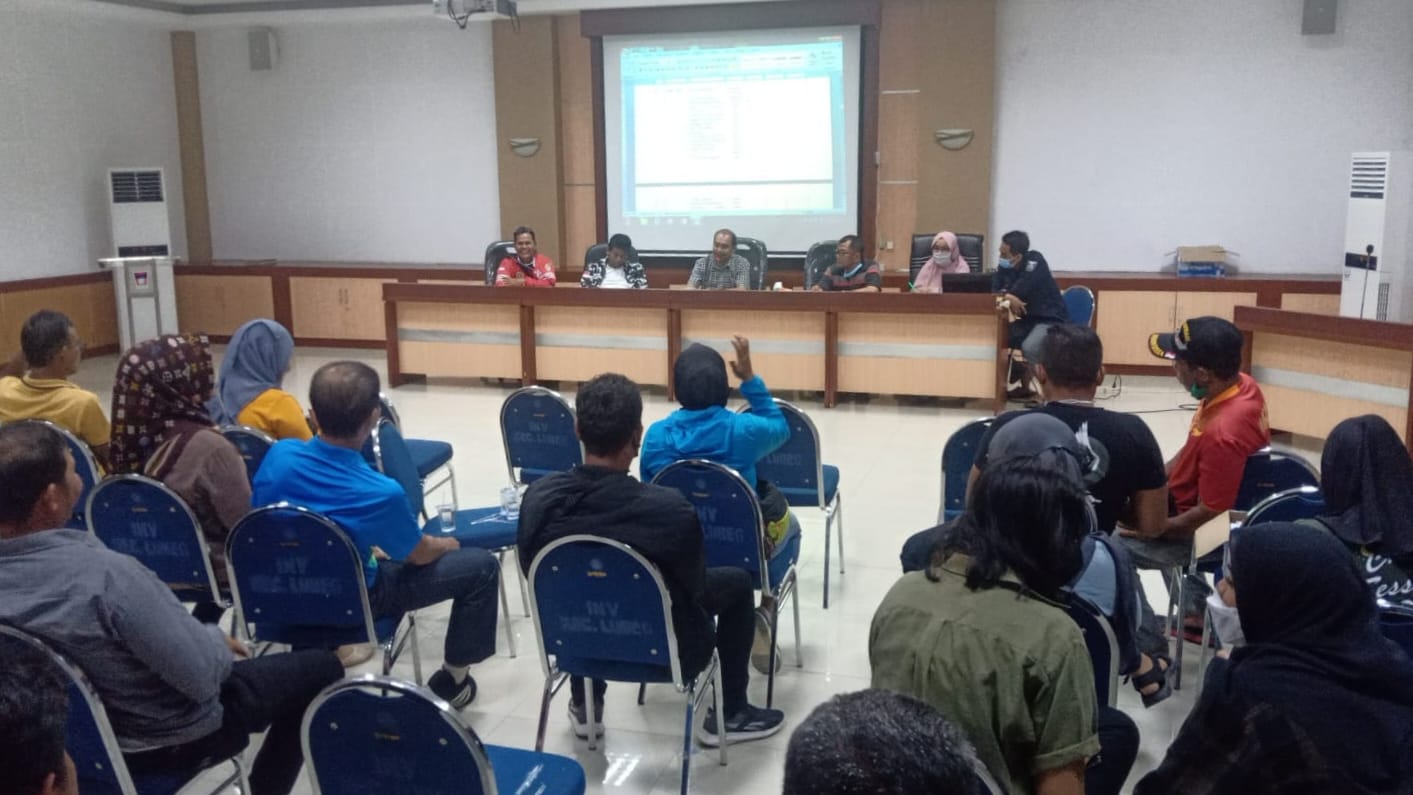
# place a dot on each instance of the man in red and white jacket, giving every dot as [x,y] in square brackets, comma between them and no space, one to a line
[528,268]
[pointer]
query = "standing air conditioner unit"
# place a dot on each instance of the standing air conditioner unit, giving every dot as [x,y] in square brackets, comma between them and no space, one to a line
[138,212]
[1377,232]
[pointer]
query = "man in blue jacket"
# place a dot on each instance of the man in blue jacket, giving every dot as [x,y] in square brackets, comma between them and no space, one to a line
[705,428]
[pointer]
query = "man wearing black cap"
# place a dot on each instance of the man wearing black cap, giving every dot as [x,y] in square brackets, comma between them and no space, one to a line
[1230,425]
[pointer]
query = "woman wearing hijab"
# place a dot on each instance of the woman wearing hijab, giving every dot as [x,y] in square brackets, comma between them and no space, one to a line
[1316,701]
[251,373]
[1366,478]
[161,429]
[946,258]
[705,428]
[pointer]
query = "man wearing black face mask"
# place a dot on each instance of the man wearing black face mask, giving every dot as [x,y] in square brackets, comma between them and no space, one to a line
[1024,282]
[1230,425]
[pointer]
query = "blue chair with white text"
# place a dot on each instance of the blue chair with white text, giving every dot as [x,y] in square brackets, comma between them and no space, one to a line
[143,518]
[734,534]
[379,734]
[958,455]
[537,428]
[298,579]
[251,443]
[574,582]
[797,468]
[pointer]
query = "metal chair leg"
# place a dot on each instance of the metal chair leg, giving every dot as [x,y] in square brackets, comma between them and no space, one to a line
[827,522]
[642,692]
[799,651]
[720,699]
[1181,604]
[839,533]
[1202,653]
[544,714]
[774,652]
[592,708]
[416,647]
[687,736]
[505,603]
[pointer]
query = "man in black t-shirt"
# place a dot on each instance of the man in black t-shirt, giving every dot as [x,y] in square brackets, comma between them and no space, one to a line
[1128,480]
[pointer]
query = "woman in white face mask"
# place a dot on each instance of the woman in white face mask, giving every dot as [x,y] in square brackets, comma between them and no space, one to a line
[946,258]
[1316,699]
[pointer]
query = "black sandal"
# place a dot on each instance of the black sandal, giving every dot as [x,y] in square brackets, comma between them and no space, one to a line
[1158,674]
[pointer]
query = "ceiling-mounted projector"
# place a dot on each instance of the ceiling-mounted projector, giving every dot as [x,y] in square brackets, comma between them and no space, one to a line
[460,11]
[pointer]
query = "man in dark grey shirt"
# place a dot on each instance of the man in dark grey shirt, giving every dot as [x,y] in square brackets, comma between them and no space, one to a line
[176,695]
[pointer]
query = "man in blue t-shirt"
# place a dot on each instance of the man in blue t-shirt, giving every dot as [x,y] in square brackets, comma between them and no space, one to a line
[328,475]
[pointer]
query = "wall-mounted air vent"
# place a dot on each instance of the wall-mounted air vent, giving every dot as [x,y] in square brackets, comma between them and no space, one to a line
[136,186]
[1368,177]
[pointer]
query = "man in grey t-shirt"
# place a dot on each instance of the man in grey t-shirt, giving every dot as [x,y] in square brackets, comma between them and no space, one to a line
[174,688]
[723,269]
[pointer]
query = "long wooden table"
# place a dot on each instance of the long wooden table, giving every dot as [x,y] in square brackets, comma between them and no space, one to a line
[1317,370]
[879,343]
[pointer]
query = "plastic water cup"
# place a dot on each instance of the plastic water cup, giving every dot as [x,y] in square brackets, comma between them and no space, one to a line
[510,502]
[447,513]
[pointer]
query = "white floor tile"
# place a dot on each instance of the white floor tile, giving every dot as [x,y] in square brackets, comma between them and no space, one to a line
[889,456]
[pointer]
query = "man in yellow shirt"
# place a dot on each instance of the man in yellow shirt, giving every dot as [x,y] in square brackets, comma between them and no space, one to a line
[52,350]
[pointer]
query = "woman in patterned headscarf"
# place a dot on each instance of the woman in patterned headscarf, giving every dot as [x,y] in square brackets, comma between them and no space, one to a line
[161,429]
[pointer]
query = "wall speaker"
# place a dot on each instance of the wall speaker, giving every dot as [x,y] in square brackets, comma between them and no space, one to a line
[264,51]
[1318,18]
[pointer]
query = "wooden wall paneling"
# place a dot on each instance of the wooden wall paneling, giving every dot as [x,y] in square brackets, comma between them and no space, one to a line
[898,354]
[730,16]
[787,348]
[191,145]
[576,137]
[900,42]
[897,204]
[1313,303]
[527,106]
[458,341]
[218,305]
[1216,304]
[1126,318]
[956,51]
[897,176]
[88,304]
[868,133]
[577,343]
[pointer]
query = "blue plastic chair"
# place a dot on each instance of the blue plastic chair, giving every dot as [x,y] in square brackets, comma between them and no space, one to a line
[379,734]
[1271,472]
[475,527]
[537,427]
[143,518]
[1291,505]
[579,582]
[1397,623]
[734,534]
[91,742]
[251,443]
[428,455]
[958,455]
[85,465]
[797,468]
[1079,302]
[297,579]
[1268,472]
[1102,645]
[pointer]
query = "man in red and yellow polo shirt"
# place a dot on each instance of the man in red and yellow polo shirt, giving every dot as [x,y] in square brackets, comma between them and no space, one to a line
[1230,425]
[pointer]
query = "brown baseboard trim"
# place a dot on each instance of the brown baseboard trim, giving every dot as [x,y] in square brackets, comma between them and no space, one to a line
[1138,369]
[325,342]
